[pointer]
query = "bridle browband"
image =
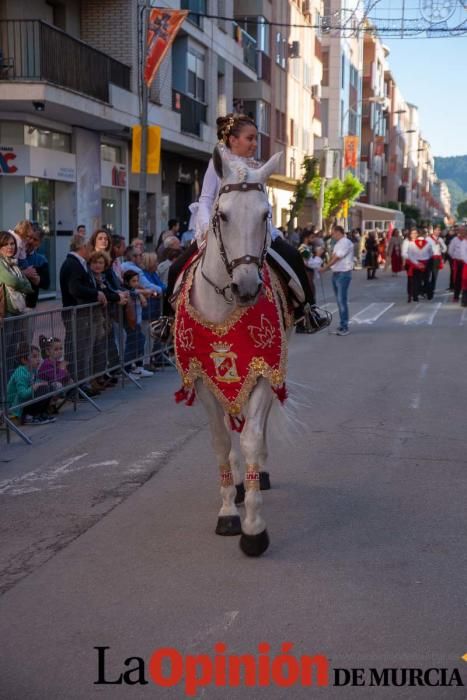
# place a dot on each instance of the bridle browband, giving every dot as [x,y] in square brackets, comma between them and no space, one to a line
[230,265]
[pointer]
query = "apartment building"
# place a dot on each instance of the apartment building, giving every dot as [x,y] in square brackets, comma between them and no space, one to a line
[342,58]
[285,100]
[68,100]
[374,120]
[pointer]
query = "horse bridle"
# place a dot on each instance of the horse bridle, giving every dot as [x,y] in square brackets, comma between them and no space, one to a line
[230,265]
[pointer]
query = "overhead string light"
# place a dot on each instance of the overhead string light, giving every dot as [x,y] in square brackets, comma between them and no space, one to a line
[425,19]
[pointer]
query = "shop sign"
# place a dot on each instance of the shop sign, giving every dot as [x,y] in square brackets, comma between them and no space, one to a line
[113,174]
[30,161]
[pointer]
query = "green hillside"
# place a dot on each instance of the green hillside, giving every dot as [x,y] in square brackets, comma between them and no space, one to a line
[453,170]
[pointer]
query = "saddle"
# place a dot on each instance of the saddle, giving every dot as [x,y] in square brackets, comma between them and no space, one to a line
[313,318]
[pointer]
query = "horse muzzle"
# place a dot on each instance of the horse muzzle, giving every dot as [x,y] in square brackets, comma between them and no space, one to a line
[246,288]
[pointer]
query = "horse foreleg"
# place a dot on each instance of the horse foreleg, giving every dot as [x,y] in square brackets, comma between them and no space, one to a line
[255,540]
[228,521]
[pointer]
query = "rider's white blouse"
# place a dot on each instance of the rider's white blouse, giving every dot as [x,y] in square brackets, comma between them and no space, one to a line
[208,196]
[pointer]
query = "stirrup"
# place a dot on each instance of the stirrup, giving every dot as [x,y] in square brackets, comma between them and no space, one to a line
[161,329]
[314,318]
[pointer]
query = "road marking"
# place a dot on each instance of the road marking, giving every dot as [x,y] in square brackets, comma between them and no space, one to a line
[38,480]
[463,318]
[422,314]
[371,313]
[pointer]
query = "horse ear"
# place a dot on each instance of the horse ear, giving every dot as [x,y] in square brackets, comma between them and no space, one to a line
[269,168]
[217,161]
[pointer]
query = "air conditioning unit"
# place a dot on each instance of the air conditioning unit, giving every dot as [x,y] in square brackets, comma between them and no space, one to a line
[294,49]
[316,91]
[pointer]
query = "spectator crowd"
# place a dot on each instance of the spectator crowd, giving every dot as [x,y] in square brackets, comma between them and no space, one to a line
[111,292]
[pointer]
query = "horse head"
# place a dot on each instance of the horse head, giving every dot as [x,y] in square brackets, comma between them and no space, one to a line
[240,222]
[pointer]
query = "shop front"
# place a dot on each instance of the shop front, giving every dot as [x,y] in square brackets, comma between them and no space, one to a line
[39,184]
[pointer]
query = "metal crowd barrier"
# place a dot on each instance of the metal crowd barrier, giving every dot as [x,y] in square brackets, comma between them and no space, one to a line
[77,345]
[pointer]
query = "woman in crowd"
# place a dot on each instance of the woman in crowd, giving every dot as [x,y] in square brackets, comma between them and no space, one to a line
[394,255]
[104,350]
[13,289]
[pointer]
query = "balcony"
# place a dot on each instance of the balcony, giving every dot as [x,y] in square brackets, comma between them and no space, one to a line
[191,111]
[196,6]
[247,43]
[34,50]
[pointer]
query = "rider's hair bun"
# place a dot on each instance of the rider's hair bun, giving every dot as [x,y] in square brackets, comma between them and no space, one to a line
[231,125]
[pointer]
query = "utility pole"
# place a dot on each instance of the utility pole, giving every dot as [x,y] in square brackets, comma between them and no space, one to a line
[144,97]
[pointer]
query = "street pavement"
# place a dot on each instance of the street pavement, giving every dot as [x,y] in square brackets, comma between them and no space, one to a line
[108,521]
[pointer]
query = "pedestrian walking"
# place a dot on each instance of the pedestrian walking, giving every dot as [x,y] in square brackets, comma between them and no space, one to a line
[371,258]
[341,264]
[454,252]
[419,262]
[394,254]
[439,249]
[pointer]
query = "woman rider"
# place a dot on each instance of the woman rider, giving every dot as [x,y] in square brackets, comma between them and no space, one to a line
[237,134]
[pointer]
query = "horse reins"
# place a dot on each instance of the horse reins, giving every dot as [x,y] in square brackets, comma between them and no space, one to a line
[230,265]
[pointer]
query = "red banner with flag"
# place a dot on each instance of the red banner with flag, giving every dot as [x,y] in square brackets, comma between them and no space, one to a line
[350,151]
[163,26]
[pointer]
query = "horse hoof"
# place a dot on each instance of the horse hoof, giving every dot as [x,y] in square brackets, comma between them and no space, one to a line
[240,496]
[254,545]
[228,525]
[264,481]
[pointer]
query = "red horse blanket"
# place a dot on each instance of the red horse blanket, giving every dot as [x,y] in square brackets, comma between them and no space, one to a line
[230,356]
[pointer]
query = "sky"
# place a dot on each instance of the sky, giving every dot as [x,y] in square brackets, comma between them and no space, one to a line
[432,74]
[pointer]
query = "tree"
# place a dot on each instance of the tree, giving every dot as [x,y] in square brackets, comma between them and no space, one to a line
[462,210]
[337,195]
[310,168]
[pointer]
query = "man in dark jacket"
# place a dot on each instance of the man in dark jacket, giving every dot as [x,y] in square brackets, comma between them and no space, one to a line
[77,287]
[39,262]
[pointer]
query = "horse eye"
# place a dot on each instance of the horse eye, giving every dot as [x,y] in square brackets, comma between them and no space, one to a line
[223,216]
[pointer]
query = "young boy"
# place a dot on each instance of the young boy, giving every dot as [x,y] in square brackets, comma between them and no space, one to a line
[24,385]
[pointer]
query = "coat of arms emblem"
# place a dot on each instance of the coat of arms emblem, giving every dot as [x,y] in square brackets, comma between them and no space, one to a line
[224,363]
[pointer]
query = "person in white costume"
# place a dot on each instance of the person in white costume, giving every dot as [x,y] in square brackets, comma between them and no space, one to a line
[237,134]
[454,252]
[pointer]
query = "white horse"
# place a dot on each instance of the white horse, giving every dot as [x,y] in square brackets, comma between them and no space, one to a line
[228,277]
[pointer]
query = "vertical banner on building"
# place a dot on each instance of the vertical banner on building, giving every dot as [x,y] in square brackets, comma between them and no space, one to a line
[153,150]
[163,26]
[350,151]
[379,146]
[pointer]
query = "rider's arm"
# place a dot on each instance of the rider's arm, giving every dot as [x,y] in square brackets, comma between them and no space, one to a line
[206,201]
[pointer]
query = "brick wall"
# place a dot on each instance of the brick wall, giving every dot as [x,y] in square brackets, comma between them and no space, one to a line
[111,27]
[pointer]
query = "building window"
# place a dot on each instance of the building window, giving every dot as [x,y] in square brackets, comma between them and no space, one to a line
[259,29]
[195,75]
[260,111]
[45,138]
[281,50]
[113,154]
[198,6]
[111,209]
[281,130]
